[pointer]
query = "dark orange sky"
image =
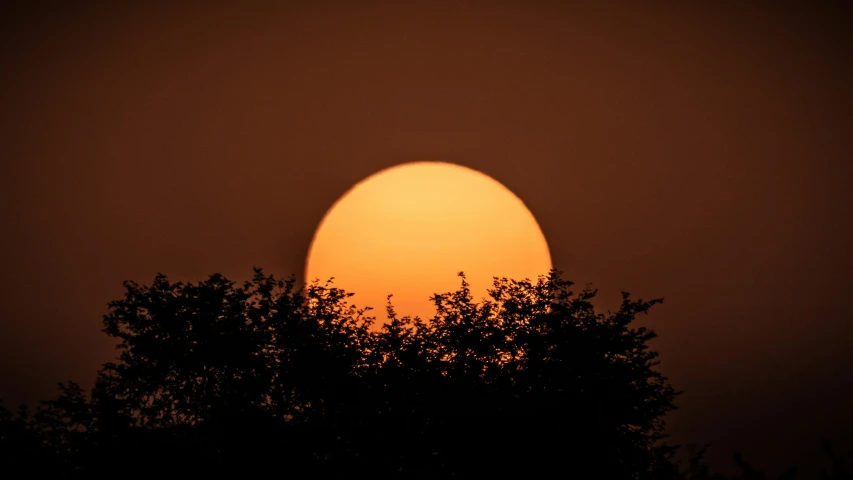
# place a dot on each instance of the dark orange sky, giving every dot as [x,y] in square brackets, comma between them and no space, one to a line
[699,154]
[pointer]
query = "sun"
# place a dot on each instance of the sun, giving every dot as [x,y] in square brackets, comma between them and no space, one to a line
[408,230]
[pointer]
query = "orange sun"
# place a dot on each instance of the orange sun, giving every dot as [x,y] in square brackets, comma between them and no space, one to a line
[408,230]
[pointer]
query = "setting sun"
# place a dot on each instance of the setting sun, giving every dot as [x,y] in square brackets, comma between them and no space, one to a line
[408,230]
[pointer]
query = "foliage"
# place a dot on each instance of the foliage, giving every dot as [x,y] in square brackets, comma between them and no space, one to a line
[218,378]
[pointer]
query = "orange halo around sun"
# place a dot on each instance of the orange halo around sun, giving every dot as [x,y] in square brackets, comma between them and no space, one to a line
[409,229]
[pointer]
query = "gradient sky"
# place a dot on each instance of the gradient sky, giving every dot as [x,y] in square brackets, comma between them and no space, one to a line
[699,154]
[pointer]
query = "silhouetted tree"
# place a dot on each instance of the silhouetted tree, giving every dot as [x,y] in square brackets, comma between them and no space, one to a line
[218,378]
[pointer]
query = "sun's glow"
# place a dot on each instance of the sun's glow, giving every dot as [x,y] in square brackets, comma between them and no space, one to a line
[408,230]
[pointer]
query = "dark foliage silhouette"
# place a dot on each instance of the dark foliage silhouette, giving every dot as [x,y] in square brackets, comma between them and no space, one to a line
[221,379]
[697,469]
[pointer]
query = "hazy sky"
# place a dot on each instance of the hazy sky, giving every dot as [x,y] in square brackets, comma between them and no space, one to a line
[699,154]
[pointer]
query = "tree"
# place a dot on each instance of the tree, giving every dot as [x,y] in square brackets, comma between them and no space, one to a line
[268,376]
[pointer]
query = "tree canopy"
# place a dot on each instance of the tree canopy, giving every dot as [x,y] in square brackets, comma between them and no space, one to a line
[267,376]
